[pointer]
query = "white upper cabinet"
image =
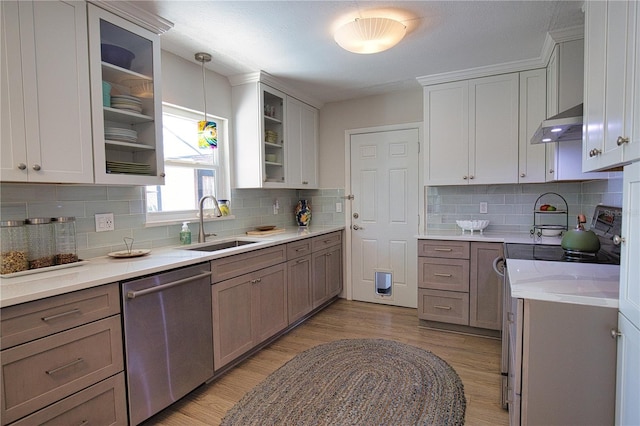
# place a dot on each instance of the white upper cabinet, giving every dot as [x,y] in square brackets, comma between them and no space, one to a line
[533,85]
[471,130]
[127,125]
[46,120]
[612,75]
[302,138]
[565,87]
[275,137]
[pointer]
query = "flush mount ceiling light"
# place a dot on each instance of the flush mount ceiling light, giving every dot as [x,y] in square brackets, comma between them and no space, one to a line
[370,35]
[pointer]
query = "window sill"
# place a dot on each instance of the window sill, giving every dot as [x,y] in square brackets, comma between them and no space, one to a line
[180,221]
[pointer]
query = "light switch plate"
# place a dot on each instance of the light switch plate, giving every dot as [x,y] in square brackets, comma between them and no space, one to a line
[338,207]
[483,207]
[104,222]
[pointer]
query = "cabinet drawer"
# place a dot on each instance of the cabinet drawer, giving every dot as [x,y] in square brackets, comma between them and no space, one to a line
[442,248]
[443,274]
[101,404]
[298,248]
[233,266]
[44,371]
[443,306]
[327,240]
[29,321]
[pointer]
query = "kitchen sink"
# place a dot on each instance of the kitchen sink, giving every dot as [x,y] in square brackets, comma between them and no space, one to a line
[222,245]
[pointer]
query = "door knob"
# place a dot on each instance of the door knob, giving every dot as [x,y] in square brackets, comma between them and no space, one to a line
[36,167]
[22,166]
[356,215]
[356,227]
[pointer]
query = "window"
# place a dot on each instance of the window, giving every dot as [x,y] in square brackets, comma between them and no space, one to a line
[191,171]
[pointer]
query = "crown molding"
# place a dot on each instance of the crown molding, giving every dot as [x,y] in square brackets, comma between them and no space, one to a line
[550,41]
[268,79]
[129,11]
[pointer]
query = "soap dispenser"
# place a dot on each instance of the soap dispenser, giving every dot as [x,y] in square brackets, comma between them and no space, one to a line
[185,234]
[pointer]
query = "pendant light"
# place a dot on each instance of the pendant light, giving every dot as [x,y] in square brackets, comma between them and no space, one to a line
[207,131]
[370,35]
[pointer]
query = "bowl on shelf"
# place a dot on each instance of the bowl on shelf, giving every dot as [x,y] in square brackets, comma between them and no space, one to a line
[472,225]
[116,55]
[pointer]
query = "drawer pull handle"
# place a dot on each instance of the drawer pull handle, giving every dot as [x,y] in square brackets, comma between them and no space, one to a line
[72,363]
[301,249]
[301,261]
[83,423]
[257,280]
[442,275]
[443,249]
[62,314]
[446,308]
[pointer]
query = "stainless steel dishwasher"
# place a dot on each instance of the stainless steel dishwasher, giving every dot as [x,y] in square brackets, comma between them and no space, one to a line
[168,337]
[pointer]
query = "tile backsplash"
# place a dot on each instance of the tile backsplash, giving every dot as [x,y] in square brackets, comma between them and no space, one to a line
[249,207]
[510,207]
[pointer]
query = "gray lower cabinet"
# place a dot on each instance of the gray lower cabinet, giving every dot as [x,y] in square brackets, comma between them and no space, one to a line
[258,294]
[457,284]
[327,274]
[62,355]
[299,279]
[248,308]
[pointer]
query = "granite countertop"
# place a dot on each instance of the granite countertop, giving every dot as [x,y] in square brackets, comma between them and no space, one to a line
[103,270]
[565,282]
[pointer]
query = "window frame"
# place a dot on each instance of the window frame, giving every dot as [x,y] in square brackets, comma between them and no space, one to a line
[223,172]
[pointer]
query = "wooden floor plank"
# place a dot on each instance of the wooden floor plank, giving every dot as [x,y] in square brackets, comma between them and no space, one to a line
[475,359]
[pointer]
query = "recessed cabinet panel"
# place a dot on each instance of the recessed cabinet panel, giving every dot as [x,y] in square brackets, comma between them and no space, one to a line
[46,120]
[611,76]
[126,102]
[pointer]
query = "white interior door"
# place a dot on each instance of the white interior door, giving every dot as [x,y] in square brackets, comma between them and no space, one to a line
[385,216]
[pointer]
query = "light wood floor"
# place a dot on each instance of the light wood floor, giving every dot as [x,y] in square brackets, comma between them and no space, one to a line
[475,359]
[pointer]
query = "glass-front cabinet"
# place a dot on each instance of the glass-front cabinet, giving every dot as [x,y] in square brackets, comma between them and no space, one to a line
[273,106]
[275,135]
[126,101]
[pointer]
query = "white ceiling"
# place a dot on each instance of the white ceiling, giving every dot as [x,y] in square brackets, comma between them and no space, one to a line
[292,40]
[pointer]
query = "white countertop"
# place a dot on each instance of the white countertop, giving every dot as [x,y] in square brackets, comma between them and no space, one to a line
[104,269]
[565,282]
[489,237]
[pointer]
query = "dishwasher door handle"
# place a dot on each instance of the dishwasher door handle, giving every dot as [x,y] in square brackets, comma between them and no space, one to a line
[132,294]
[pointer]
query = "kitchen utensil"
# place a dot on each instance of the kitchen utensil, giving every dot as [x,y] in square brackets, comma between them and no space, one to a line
[580,240]
[265,228]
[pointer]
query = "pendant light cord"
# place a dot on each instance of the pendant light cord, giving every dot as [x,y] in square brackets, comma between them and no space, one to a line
[203,58]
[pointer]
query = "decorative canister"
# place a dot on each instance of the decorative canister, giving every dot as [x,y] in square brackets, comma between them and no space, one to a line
[13,237]
[303,213]
[41,242]
[224,207]
[66,247]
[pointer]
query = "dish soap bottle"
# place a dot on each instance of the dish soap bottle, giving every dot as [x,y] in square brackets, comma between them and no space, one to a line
[185,234]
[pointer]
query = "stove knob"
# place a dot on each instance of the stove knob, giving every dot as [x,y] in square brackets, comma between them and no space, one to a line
[617,239]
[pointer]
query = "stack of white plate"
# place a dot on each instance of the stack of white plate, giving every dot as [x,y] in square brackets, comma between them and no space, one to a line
[129,103]
[129,168]
[120,134]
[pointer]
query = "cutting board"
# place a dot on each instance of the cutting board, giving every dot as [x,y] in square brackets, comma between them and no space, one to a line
[257,233]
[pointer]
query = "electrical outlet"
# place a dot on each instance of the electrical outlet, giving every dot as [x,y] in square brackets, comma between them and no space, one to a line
[104,222]
[338,207]
[483,207]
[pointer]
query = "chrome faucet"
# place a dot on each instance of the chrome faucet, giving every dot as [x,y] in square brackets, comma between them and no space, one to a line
[202,237]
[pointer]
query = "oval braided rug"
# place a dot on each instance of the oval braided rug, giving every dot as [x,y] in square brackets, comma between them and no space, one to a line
[356,382]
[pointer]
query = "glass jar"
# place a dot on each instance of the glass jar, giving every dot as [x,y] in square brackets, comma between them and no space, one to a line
[41,242]
[225,207]
[64,229]
[13,238]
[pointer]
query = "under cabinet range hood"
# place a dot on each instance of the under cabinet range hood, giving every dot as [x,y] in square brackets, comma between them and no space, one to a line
[566,126]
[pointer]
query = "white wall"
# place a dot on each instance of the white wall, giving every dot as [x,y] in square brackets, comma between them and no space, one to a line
[338,117]
[182,85]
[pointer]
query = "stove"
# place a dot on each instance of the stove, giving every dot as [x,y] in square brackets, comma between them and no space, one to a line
[606,224]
